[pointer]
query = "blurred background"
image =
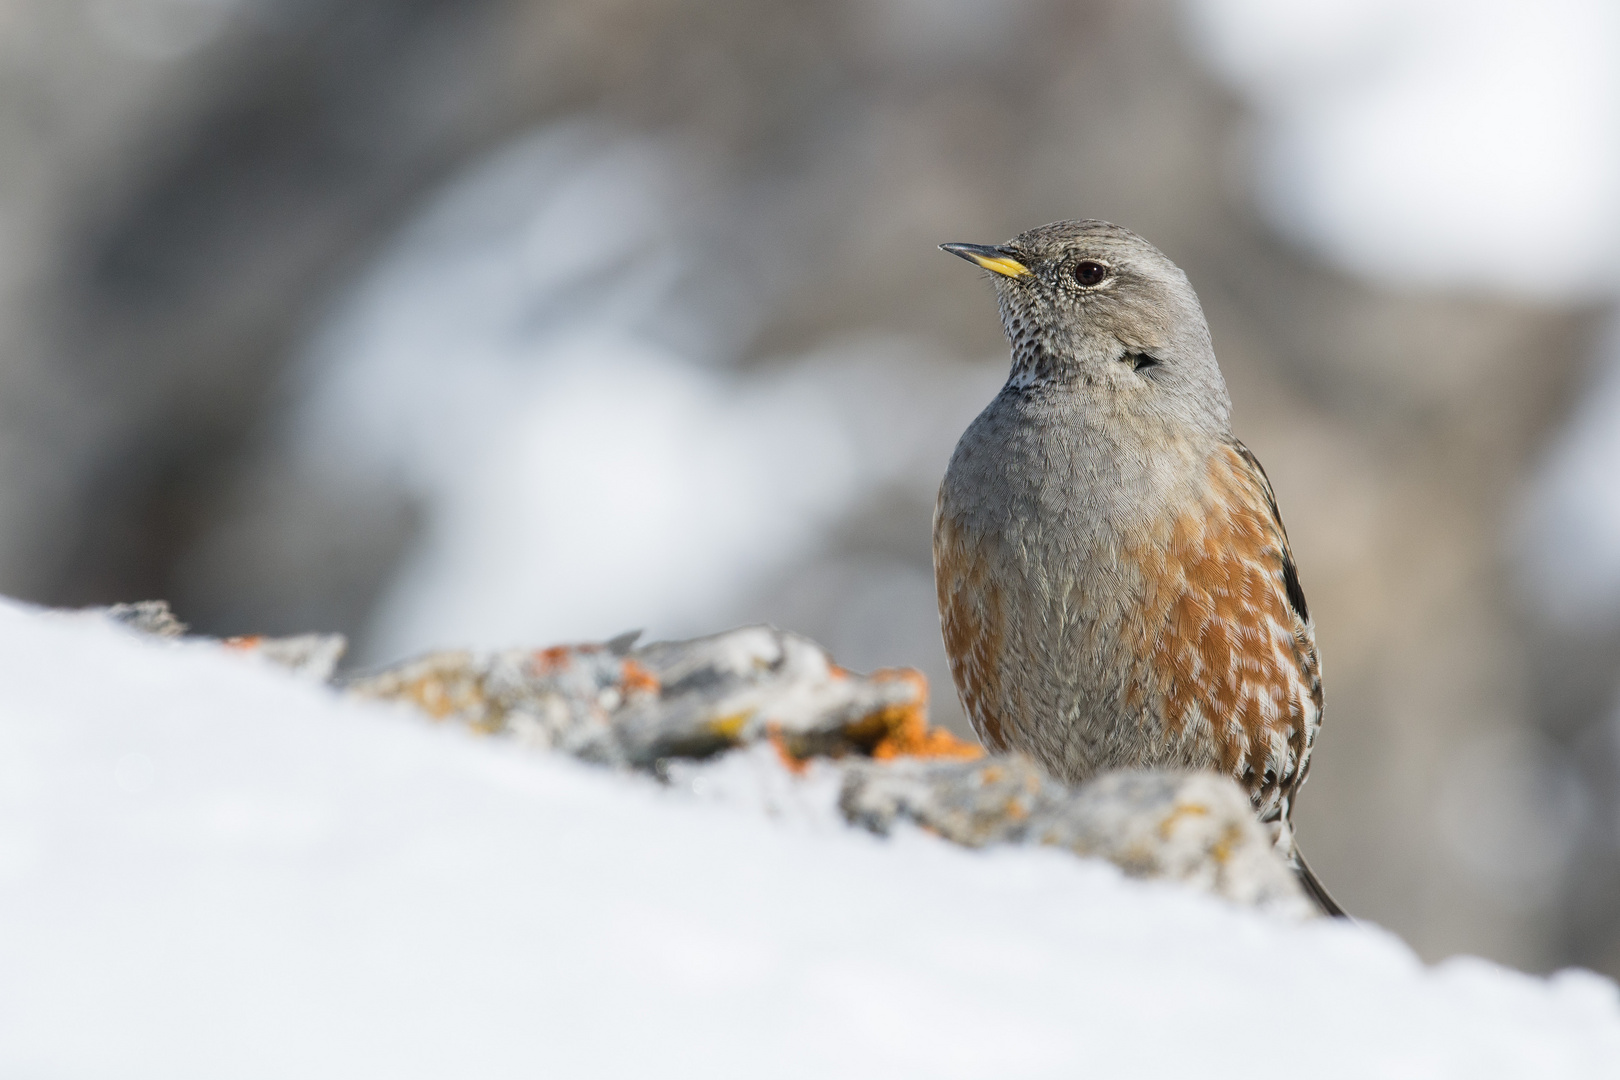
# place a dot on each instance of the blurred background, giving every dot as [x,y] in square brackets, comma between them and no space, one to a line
[492,322]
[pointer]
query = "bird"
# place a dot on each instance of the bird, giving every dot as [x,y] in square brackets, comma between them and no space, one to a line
[1116,587]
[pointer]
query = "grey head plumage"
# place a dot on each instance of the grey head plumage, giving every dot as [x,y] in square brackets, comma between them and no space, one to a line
[1093,307]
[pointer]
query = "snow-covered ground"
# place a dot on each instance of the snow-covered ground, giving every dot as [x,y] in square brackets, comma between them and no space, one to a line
[210,869]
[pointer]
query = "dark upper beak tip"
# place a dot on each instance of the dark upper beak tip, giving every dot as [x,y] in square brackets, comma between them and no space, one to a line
[968,251]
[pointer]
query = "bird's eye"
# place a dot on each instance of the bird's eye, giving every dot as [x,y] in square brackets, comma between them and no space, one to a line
[1089,273]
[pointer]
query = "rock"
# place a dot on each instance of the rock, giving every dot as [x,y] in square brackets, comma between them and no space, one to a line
[652,707]
[146,617]
[667,707]
[639,707]
[992,801]
[1193,827]
[309,656]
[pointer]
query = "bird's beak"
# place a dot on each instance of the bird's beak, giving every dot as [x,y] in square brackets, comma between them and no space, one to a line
[997,260]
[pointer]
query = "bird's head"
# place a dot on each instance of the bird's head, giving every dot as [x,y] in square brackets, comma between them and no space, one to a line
[1093,306]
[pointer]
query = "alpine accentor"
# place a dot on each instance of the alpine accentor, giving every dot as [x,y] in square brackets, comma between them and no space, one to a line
[1115,583]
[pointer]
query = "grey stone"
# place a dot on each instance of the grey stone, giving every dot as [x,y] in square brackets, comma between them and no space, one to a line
[681,699]
[1197,828]
[147,617]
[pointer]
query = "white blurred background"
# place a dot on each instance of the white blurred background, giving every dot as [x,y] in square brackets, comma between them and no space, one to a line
[484,322]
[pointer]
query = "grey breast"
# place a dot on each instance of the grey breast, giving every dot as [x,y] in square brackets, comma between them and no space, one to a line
[1032,488]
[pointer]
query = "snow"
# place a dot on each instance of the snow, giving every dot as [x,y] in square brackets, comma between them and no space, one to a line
[209,868]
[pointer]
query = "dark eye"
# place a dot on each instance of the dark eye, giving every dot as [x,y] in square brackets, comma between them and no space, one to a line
[1089,273]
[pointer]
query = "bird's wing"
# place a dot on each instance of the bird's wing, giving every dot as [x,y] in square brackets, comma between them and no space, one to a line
[1237,650]
[1296,595]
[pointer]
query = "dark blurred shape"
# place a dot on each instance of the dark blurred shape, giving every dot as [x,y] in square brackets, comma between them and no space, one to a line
[302,138]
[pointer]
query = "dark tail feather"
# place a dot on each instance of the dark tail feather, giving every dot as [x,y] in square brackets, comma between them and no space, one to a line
[1314,888]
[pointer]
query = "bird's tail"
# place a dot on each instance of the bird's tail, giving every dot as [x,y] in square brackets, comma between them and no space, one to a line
[1314,888]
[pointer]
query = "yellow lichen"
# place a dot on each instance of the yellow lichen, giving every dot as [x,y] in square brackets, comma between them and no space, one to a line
[729,726]
[1231,839]
[1183,810]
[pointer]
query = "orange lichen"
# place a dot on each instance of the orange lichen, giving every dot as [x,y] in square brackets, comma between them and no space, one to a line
[902,730]
[445,694]
[914,738]
[557,658]
[794,763]
[245,643]
[636,679]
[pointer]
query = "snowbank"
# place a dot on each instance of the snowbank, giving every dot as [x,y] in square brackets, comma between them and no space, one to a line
[209,868]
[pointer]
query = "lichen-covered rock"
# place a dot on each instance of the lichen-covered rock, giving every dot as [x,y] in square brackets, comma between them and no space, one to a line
[670,707]
[617,704]
[991,801]
[146,617]
[309,656]
[1194,827]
